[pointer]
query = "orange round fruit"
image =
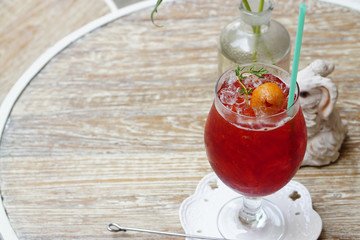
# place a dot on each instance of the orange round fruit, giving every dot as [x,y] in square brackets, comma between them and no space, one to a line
[267,99]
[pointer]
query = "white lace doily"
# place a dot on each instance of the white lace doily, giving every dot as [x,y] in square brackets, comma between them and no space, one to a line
[198,213]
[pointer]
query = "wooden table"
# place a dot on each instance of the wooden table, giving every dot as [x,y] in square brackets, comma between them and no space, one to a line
[110,126]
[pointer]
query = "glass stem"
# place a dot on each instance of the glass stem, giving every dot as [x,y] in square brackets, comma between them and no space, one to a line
[251,213]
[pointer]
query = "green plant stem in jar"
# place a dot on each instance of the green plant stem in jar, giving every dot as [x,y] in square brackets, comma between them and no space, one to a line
[254,37]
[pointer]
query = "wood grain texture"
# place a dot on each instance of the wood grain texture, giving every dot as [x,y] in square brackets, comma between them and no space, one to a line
[28,28]
[111,130]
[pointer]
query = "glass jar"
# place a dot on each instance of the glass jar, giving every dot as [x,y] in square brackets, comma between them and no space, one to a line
[254,37]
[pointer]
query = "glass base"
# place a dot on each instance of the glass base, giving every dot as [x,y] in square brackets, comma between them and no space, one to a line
[270,223]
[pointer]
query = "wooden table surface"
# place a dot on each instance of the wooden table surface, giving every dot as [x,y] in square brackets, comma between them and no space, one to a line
[111,129]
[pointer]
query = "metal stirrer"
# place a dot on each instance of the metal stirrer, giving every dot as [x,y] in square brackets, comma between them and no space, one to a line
[114,227]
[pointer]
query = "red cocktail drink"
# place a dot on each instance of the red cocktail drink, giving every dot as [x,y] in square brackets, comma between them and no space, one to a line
[250,150]
[255,144]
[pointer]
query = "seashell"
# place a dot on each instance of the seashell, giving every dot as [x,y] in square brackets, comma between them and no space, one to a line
[325,129]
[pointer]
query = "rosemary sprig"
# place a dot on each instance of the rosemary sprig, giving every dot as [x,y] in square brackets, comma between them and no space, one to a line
[240,74]
[259,73]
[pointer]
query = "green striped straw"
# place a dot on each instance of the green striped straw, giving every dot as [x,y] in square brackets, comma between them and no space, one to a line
[295,66]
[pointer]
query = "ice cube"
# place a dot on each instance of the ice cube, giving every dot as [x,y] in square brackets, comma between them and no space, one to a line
[227,96]
[252,81]
[260,111]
